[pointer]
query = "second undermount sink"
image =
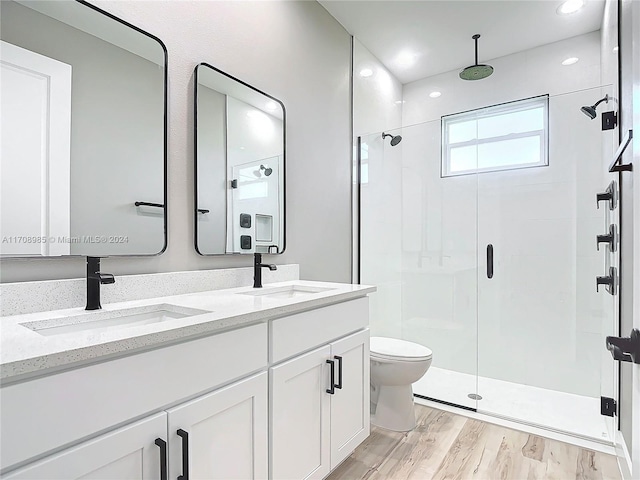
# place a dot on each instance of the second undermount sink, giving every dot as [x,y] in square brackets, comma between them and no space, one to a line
[288,291]
[106,320]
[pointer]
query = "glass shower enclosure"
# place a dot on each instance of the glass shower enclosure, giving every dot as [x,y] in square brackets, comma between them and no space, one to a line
[490,260]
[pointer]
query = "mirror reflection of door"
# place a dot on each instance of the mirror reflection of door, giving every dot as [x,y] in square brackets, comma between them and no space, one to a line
[256,194]
[83,130]
[35,100]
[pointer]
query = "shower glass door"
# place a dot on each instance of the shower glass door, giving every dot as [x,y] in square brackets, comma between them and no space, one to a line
[419,246]
[540,320]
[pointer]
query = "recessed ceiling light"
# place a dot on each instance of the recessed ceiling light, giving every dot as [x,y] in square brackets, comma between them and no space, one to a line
[271,106]
[570,6]
[435,94]
[366,72]
[406,59]
[570,61]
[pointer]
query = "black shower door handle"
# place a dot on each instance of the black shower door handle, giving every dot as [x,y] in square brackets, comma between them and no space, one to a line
[489,261]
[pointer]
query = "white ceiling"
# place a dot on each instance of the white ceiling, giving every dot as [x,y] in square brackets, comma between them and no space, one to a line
[439,32]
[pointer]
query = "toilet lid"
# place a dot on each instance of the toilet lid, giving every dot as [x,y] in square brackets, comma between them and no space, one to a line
[395,349]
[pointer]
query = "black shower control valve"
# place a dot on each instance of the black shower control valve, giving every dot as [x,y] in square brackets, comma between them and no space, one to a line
[611,238]
[625,349]
[609,120]
[609,195]
[611,281]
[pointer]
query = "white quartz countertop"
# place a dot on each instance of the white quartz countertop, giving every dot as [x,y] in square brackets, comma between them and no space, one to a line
[25,352]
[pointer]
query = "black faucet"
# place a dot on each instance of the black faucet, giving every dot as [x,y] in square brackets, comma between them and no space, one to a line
[94,280]
[257,269]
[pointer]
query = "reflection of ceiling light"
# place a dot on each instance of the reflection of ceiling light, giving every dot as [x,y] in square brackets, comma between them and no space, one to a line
[406,59]
[435,94]
[570,61]
[615,49]
[271,106]
[366,72]
[570,6]
[399,102]
[241,148]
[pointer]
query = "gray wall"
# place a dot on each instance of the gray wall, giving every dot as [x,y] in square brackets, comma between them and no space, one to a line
[115,95]
[298,53]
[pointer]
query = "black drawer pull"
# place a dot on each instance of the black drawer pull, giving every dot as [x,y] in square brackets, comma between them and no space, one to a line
[331,390]
[185,454]
[163,458]
[339,359]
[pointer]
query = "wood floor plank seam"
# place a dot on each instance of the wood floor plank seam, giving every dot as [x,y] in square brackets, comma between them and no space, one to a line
[452,447]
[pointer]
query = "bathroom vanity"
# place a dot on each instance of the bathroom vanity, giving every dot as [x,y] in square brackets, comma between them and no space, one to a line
[234,383]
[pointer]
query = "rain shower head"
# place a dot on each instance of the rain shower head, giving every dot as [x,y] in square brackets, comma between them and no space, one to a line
[477,71]
[395,139]
[590,111]
[267,171]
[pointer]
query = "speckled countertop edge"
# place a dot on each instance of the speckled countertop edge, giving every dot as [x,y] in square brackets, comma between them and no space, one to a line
[24,352]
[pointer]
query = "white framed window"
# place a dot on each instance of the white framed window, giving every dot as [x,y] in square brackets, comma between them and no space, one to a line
[502,137]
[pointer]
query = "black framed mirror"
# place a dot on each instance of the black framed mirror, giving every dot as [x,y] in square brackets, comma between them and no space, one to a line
[84,128]
[240,163]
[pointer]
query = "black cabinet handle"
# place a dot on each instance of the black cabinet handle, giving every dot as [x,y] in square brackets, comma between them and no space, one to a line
[331,390]
[163,458]
[339,359]
[185,454]
[489,261]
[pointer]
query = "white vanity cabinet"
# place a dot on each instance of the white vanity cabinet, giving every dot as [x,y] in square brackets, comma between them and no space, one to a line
[129,453]
[318,422]
[285,398]
[224,432]
[218,436]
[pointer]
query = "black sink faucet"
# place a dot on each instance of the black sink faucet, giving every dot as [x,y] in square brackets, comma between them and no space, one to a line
[257,269]
[94,280]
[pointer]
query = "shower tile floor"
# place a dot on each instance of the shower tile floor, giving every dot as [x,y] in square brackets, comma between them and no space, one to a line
[559,411]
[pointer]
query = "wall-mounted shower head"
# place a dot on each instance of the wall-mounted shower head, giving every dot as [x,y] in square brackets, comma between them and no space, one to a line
[267,171]
[395,139]
[591,111]
[477,71]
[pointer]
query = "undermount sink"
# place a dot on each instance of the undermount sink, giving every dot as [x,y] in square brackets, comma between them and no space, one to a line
[105,320]
[288,291]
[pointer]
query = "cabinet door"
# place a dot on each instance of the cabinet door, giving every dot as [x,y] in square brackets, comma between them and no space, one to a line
[300,406]
[226,432]
[129,453]
[350,404]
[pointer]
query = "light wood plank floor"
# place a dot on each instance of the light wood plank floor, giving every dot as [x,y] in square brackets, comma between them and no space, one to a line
[449,446]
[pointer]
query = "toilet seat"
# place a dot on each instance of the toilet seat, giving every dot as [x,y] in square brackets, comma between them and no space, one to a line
[394,349]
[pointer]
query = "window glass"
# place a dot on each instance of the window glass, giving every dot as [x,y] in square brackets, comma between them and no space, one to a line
[507,136]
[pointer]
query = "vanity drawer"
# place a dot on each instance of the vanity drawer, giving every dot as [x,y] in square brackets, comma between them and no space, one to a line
[301,332]
[40,415]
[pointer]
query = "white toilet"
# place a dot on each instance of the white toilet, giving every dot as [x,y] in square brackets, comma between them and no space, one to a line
[395,365]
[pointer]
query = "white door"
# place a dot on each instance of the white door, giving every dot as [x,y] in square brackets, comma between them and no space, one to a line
[129,453]
[35,153]
[350,404]
[300,409]
[226,433]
